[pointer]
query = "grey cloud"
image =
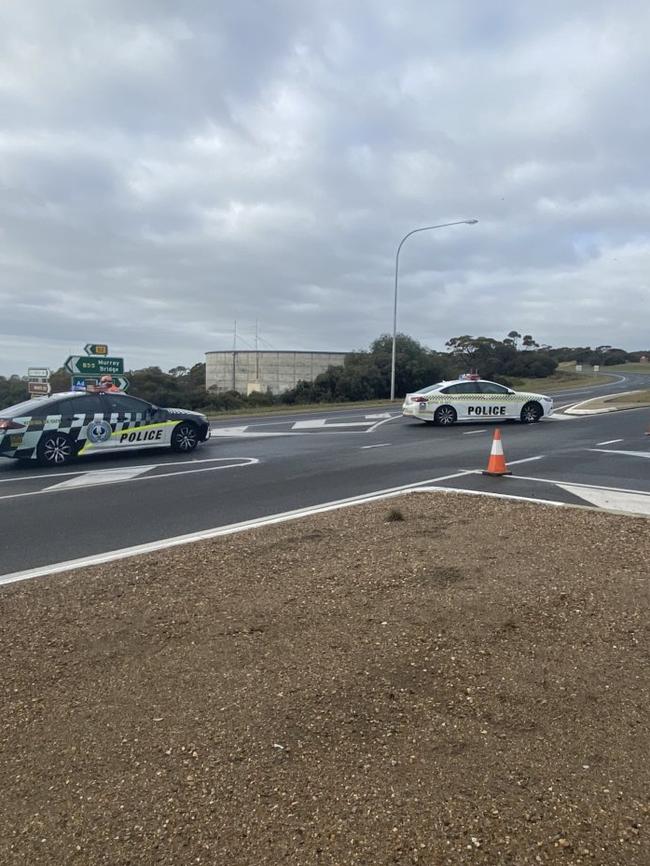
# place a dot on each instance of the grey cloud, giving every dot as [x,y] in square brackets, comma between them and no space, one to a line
[168,168]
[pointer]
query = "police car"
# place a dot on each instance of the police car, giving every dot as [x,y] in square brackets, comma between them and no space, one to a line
[55,429]
[471,398]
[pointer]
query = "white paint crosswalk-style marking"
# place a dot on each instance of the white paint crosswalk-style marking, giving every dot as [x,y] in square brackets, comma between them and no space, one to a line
[613,500]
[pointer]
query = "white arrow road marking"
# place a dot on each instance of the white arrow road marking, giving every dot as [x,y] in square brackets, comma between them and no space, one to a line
[100,476]
[614,500]
[624,453]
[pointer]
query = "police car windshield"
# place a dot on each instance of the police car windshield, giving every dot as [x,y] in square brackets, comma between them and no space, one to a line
[429,388]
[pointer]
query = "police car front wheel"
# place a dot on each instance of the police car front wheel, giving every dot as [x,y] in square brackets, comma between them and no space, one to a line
[55,449]
[185,437]
[531,413]
[445,416]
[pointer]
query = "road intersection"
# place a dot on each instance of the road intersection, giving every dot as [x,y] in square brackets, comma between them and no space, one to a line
[257,467]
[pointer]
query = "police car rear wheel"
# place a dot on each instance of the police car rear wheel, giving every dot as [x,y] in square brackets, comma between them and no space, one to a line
[531,413]
[445,416]
[55,449]
[185,438]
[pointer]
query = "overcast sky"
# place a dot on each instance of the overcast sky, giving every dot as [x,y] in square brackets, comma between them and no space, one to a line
[167,167]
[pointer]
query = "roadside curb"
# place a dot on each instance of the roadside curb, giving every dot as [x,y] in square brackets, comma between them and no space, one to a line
[602,410]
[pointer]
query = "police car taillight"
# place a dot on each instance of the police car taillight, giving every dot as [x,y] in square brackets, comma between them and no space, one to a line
[8,424]
[418,399]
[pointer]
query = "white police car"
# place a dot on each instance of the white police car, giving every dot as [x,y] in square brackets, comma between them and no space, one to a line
[471,398]
[55,429]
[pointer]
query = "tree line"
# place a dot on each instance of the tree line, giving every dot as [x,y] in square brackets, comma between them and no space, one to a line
[365,374]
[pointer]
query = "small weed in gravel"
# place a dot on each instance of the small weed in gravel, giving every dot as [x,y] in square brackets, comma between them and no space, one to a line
[394,515]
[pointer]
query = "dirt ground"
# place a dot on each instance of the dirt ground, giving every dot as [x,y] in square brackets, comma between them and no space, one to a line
[468,685]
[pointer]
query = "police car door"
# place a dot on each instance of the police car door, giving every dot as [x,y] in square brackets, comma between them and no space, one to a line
[498,401]
[140,424]
[79,419]
[460,397]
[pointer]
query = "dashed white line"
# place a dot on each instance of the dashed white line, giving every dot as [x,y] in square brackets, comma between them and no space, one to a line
[473,432]
[382,445]
[525,460]
[609,442]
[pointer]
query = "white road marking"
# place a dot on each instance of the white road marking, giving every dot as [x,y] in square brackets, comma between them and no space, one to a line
[382,445]
[377,417]
[140,466]
[379,423]
[250,461]
[101,476]
[175,541]
[613,500]
[473,432]
[559,483]
[319,423]
[495,495]
[609,442]
[234,431]
[525,460]
[624,453]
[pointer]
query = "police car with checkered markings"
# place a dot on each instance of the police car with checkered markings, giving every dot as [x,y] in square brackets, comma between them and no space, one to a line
[471,398]
[55,429]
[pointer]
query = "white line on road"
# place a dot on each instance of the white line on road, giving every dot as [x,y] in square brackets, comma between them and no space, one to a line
[624,453]
[382,445]
[609,442]
[525,460]
[474,432]
[175,541]
[379,423]
[60,488]
[139,466]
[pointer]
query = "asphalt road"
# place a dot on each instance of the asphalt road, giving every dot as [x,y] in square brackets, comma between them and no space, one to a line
[258,466]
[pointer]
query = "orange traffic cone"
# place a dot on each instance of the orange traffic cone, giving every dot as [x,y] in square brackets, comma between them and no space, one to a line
[497,462]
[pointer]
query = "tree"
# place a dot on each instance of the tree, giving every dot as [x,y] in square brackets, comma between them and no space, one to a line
[528,342]
[514,336]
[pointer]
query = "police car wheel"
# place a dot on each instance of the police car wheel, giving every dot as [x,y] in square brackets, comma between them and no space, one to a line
[185,437]
[531,413]
[445,416]
[55,449]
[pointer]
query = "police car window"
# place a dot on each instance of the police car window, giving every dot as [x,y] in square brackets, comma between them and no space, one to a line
[491,388]
[84,404]
[28,407]
[461,388]
[122,403]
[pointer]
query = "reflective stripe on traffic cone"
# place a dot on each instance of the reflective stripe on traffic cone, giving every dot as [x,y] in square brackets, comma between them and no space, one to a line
[497,461]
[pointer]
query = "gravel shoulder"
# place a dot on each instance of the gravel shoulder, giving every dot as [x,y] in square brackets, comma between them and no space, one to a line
[468,685]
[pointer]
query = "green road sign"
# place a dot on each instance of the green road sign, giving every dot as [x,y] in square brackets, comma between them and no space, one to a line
[96,349]
[80,383]
[79,365]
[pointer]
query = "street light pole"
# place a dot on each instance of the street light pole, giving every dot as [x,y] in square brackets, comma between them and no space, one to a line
[414,231]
